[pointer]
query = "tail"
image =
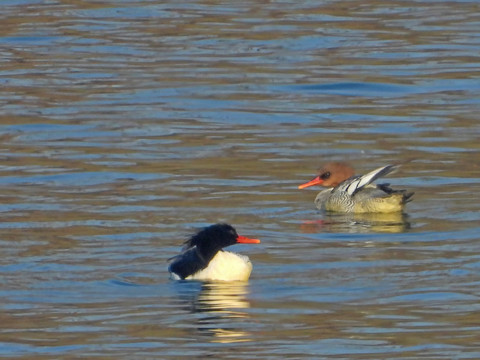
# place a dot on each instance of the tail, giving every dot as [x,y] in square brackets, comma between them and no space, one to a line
[405,196]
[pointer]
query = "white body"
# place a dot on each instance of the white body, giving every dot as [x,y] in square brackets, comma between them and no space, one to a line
[225,266]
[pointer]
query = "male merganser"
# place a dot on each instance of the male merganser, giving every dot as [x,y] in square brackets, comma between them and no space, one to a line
[203,258]
[348,193]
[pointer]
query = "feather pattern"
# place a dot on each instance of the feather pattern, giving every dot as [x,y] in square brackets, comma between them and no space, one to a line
[356,183]
[349,193]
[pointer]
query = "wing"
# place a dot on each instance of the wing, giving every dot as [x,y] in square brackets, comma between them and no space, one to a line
[187,263]
[356,183]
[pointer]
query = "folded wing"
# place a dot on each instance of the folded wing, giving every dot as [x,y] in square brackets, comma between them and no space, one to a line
[356,183]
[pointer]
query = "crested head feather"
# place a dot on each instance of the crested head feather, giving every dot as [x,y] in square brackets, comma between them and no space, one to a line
[204,235]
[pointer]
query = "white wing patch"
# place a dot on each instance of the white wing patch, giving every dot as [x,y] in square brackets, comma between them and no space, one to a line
[356,183]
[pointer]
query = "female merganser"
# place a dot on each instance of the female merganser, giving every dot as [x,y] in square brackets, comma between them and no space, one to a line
[203,258]
[348,193]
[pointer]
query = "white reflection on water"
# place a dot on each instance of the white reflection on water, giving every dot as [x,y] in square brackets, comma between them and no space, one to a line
[219,309]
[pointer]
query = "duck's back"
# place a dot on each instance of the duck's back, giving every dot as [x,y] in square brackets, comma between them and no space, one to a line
[186,264]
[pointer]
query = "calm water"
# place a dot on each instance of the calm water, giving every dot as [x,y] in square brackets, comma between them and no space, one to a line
[126,125]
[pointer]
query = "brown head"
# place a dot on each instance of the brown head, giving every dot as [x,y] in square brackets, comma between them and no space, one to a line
[331,174]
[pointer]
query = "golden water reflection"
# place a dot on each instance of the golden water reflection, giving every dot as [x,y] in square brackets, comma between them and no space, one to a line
[358,223]
[221,306]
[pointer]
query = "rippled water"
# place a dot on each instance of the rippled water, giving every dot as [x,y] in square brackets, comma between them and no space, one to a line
[126,125]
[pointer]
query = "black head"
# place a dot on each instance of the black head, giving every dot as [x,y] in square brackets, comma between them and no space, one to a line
[213,238]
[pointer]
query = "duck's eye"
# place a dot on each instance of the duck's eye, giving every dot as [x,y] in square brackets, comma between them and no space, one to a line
[325,175]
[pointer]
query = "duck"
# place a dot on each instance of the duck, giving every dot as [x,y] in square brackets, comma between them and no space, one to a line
[204,259]
[350,193]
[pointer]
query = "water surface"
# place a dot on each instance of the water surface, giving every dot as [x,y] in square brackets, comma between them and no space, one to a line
[126,125]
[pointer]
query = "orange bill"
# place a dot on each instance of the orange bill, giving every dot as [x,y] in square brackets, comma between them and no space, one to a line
[316,181]
[246,240]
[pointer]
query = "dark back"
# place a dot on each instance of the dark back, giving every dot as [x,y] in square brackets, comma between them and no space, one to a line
[188,263]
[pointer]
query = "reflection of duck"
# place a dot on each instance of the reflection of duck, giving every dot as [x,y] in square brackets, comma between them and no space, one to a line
[219,308]
[356,194]
[221,296]
[396,222]
[204,259]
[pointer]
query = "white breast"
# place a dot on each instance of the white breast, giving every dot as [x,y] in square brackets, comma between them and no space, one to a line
[226,266]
